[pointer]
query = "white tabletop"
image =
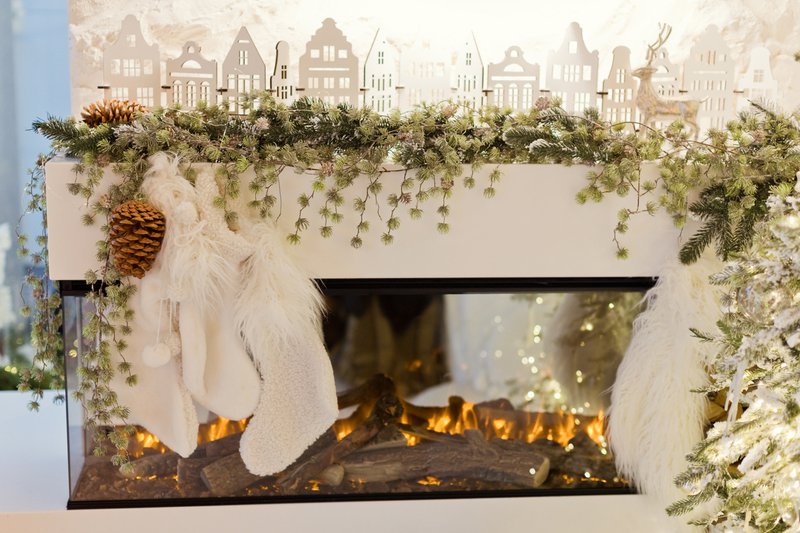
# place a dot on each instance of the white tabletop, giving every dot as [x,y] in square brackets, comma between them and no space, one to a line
[33,496]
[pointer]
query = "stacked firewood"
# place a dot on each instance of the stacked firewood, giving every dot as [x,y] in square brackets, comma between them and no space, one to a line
[376,454]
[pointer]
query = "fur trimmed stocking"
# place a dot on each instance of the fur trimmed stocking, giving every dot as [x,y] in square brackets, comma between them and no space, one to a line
[655,419]
[203,258]
[159,401]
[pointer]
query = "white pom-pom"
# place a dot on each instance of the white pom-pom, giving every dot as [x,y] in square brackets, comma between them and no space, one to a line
[156,355]
[186,213]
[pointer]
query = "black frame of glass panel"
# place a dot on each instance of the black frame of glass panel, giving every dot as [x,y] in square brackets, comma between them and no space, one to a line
[364,286]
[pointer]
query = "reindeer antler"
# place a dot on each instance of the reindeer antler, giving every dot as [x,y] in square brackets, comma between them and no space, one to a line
[664,31]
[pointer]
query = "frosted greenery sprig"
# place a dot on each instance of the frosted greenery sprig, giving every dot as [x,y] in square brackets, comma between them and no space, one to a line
[752,463]
[45,307]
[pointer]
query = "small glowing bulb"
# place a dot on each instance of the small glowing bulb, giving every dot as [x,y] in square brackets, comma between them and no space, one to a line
[498,353]
[537,339]
[537,329]
[791,221]
[557,395]
[534,370]
[569,447]
[539,300]
[611,305]
[532,471]
[587,475]
[589,326]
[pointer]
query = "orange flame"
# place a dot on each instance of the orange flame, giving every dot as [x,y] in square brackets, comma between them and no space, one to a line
[221,427]
[493,422]
[454,419]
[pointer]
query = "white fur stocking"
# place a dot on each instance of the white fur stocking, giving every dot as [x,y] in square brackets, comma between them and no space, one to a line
[655,419]
[159,401]
[204,260]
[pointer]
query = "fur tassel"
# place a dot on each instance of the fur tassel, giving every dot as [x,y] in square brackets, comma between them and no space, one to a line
[278,310]
[655,419]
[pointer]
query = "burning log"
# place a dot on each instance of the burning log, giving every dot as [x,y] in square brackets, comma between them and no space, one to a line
[387,409]
[469,456]
[189,474]
[222,447]
[157,464]
[227,476]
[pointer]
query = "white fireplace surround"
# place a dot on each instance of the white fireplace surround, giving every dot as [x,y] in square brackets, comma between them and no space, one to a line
[532,228]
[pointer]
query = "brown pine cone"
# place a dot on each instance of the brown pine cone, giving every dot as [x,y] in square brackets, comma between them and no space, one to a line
[137,230]
[110,111]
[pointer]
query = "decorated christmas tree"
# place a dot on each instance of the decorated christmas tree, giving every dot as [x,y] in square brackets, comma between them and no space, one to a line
[748,466]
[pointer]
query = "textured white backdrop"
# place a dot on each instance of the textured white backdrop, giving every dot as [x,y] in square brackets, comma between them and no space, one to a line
[537,26]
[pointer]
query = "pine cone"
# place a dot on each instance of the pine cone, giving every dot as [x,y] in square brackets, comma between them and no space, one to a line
[110,111]
[137,229]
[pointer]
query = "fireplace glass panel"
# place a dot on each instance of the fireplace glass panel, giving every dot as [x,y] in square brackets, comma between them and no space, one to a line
[445,390]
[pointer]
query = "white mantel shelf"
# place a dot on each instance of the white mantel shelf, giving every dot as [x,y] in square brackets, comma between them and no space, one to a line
[533,227]
[33,498]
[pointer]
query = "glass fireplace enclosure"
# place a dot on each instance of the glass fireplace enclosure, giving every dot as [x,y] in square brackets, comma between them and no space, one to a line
[482,387]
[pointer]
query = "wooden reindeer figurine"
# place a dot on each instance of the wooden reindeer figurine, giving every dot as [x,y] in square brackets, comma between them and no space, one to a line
[651,106]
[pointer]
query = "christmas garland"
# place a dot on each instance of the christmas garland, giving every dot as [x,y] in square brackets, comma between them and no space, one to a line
[733,171]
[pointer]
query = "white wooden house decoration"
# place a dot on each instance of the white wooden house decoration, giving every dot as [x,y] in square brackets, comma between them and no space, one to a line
[283,83]
[381,73]
[192,78]
[757,84]
[708,76]
[513,82]
[467,74]
[572,72]
[666,78]
[426,77]
[243,70]
[619,89]
[132,67]
[328,68]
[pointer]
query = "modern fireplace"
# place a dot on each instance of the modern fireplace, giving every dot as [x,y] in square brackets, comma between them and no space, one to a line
[447,387]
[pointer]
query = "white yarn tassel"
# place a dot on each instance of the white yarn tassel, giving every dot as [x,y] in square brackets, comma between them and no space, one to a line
[655,420]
